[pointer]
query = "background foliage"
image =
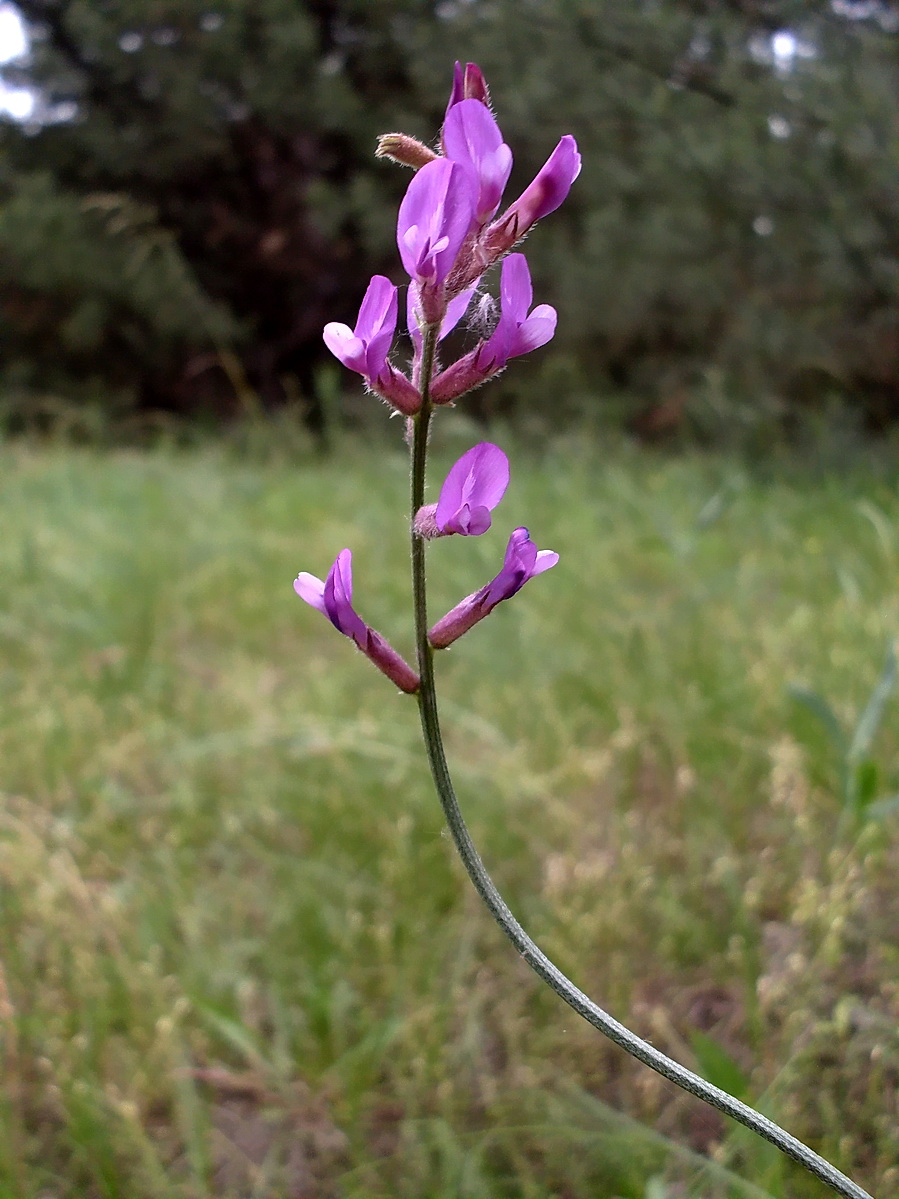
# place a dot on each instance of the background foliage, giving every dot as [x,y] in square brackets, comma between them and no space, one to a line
[196,196]
[239,956]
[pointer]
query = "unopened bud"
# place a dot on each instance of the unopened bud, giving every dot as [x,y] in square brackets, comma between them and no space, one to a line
[474,85]
[406,150]
[468,84]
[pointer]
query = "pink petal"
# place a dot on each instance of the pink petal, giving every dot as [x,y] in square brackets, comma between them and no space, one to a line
[472,138]
[434,217]
[345,346]
[550,186]
[338,599]
[516,292]
[479,479]
[310,589]
[546,559]
[536,331]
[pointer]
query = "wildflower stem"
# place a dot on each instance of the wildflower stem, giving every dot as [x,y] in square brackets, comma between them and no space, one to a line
[529,950]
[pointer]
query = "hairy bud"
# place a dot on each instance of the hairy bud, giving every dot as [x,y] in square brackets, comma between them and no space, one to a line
[406,150]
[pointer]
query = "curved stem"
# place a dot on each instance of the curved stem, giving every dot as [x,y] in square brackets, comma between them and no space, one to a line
[529,950]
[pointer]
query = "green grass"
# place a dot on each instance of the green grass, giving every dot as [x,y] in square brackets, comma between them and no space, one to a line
[238,956]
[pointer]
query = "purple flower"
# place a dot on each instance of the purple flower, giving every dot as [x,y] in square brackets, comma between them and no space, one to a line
[544,195]
[365,348]
[435,215]
[471,138]
[523,560]
[334,598]
[473,488]
[517,332]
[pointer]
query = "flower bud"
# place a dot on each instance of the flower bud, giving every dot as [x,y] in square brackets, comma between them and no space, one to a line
[406,150]
[468,84]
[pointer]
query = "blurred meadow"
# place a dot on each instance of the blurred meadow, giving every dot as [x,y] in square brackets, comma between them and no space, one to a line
[239,957]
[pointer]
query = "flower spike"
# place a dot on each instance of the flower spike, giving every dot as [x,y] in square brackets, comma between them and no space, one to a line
[334,599]
[473,488]
[522,562]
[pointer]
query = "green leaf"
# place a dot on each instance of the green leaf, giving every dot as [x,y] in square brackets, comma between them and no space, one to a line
[823,712]
[870,719]
[866,782]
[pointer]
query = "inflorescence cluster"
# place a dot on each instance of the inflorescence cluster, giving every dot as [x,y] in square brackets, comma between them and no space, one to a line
[449,235]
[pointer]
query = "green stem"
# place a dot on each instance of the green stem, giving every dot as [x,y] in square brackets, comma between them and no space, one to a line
[529,950]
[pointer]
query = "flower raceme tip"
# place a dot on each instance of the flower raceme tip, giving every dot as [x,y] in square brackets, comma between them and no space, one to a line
[522,562]
[468,84]
[448,233]
[334,599]
[472,489]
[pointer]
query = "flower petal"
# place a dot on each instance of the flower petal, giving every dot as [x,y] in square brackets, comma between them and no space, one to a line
[522,561]
[515,289]
[338,599]
[434,217]
[545,560]
[536,331]
[549,188]
[345,346]
[310,589]
[376,325]
[479,480]
[472,139]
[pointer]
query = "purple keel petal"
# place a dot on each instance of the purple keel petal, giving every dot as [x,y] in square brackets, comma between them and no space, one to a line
[515,289]
[338,599]
[376,325]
